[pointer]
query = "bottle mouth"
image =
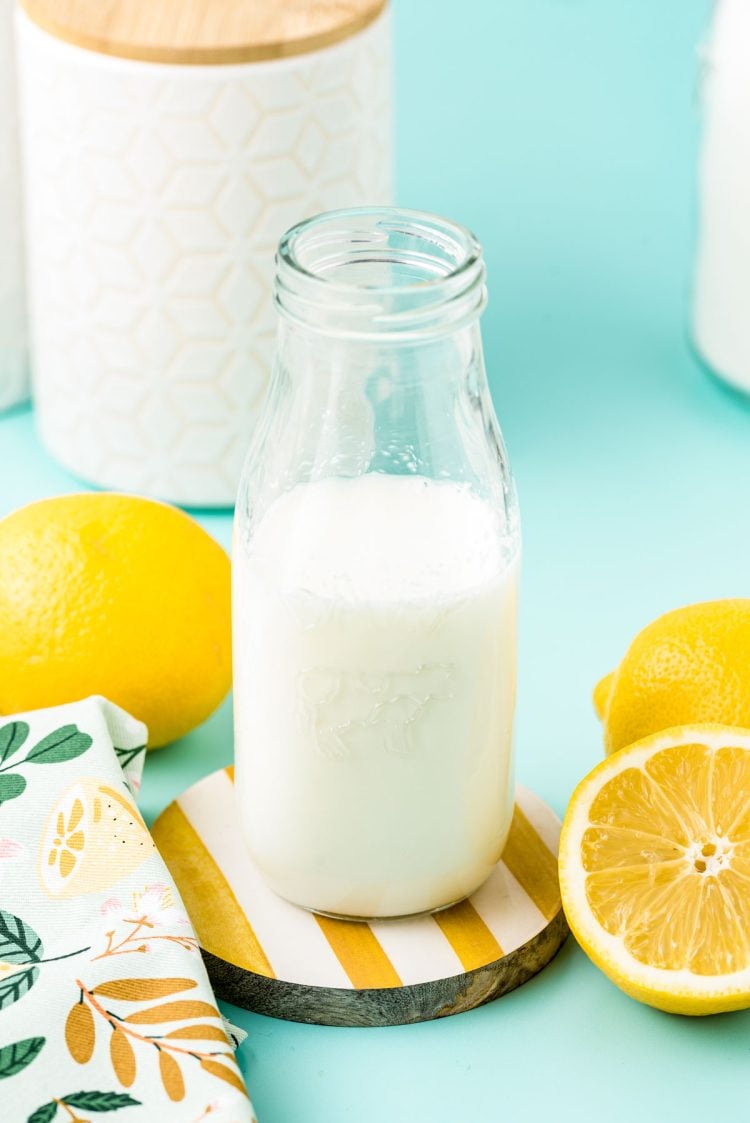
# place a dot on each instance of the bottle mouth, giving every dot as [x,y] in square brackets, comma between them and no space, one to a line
[370,272]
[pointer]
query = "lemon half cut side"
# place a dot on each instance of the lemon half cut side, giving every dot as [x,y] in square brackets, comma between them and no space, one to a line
[655,868]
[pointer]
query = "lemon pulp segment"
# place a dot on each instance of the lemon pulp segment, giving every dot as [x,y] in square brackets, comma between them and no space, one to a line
[655,868]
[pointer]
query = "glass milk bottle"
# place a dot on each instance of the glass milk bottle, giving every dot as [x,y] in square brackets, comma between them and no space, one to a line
[376,555]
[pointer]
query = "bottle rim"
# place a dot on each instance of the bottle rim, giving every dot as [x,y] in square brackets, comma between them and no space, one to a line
[380,272]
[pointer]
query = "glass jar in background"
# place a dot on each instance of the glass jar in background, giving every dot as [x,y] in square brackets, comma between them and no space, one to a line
[721,324]
[14,382]
[376,556]
[183,143]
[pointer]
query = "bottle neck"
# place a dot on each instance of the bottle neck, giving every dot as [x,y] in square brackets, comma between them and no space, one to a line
[380,275]
[372,405]
[379,363]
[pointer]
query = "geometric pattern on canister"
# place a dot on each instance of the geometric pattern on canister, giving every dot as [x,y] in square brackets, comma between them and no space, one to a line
[156,196]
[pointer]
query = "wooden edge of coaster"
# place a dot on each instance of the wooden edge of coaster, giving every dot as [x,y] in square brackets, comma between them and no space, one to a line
[387,1006]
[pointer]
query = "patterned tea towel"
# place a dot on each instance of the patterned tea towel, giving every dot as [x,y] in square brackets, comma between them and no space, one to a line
[105,1005]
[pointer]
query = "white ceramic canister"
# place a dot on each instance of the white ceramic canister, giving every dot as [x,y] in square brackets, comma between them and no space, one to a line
[13,359]
[721,303]
[167,147]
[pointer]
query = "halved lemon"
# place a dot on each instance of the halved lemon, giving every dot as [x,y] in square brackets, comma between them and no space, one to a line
[655,868]
[94,837]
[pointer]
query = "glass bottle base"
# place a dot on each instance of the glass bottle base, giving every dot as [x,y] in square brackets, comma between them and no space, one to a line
[377,919]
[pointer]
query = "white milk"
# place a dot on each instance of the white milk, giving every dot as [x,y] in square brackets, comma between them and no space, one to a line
[375,667]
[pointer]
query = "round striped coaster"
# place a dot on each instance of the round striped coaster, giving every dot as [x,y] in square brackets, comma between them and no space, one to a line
[271,957]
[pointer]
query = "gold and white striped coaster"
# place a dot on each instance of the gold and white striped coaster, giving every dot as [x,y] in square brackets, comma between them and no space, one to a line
[269,956]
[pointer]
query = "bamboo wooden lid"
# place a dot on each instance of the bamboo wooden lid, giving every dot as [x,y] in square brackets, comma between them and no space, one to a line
[202,31]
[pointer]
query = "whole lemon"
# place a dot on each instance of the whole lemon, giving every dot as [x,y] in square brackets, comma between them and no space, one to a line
[116,595]
[688,666]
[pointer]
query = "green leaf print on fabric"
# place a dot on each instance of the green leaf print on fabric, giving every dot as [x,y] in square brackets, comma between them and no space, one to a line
[19,943]
[131,762]
[99,1101]
[11,786]
[15,1057]
[44,1114]
[116,1057]
[86,1101]
[16,986]
[12,736]
[127,756]
[65,743]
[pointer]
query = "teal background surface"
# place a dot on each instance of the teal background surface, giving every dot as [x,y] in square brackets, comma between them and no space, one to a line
[565,133]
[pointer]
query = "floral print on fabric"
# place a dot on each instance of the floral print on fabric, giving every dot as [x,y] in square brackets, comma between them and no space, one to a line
[105,1005]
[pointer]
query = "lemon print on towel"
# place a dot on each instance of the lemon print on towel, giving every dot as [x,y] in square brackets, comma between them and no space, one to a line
[94,836]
